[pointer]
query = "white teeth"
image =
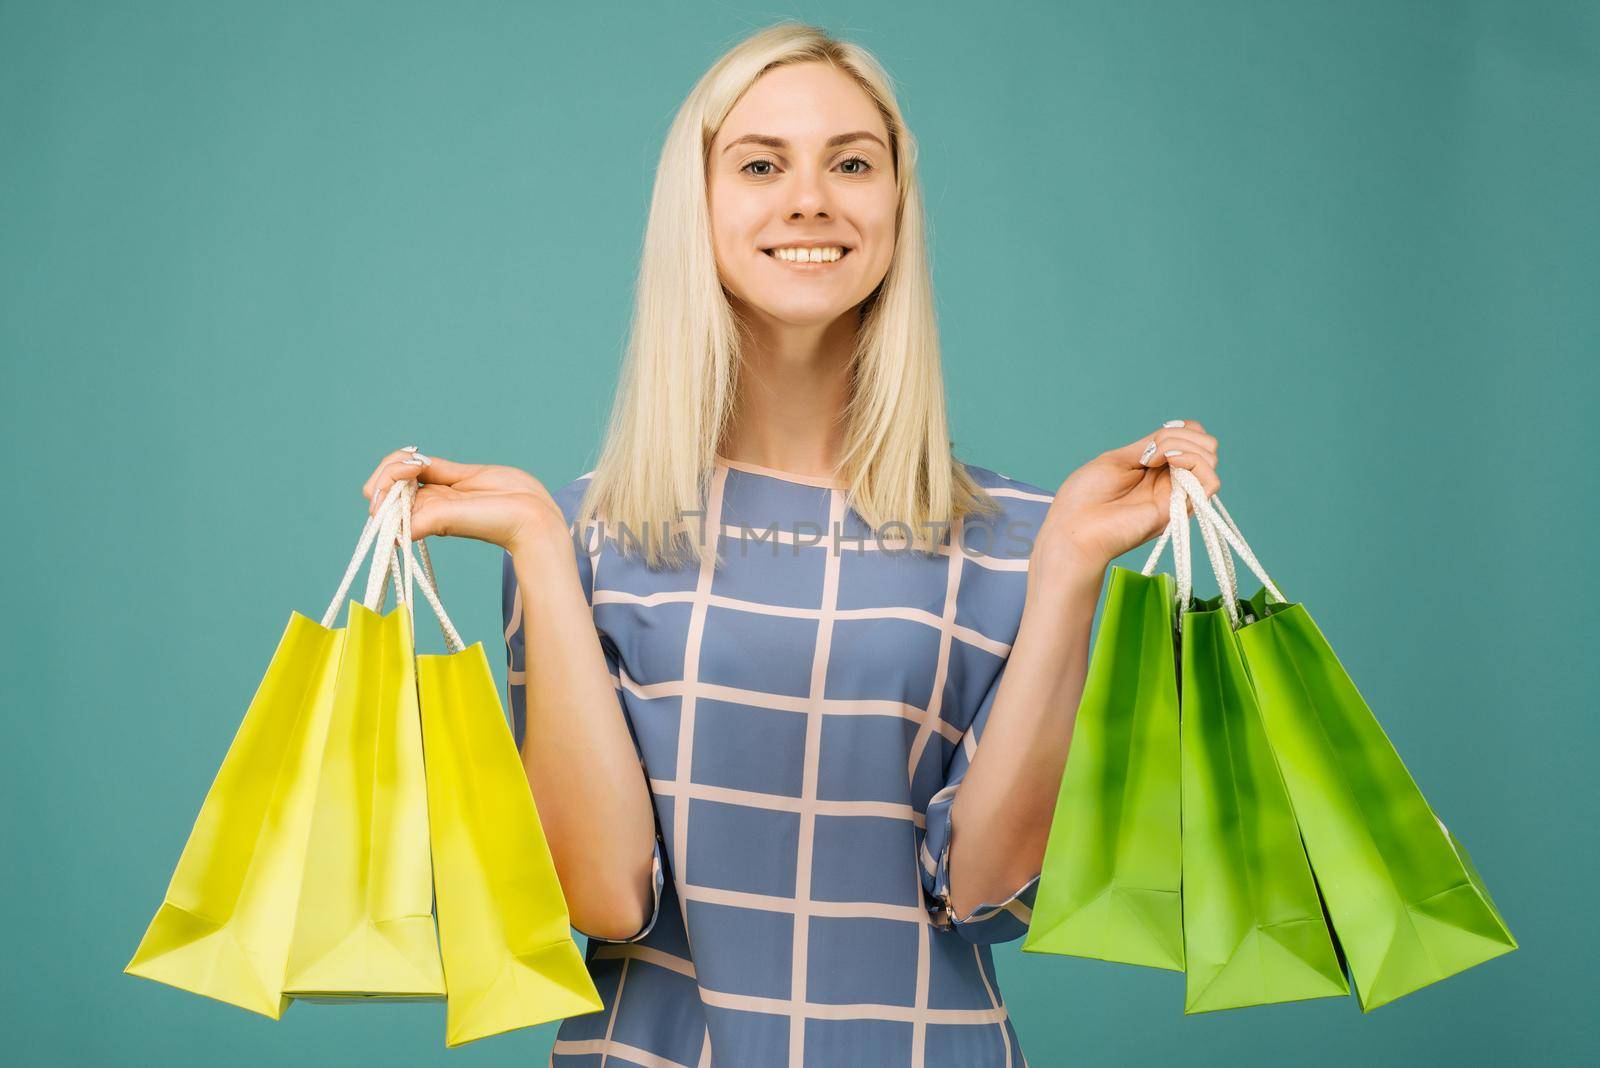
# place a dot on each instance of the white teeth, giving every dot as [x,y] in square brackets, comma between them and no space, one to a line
[809,255]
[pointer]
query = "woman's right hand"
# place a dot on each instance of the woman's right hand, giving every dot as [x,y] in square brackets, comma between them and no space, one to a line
[488,502]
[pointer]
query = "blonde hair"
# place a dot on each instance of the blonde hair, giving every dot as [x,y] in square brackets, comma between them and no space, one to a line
[679,382]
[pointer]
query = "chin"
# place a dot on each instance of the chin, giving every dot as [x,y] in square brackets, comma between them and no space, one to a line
[797,307]
[804,315]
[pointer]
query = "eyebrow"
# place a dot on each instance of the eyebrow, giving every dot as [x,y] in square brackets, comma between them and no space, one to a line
[778,142]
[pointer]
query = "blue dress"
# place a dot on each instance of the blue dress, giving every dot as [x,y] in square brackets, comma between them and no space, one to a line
[804,712]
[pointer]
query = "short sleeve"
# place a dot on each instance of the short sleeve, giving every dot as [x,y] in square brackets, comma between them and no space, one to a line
[657,879]
[516,650]
[568,499]
[516,690]
[990,922]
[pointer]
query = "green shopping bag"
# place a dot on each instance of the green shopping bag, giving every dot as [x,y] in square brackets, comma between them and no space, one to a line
[1406,903]
[1254,928]
[1109,886]
[1110,881]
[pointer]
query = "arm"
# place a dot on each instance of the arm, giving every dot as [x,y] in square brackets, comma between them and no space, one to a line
[577,751]
[1114,503]
[1000,820]
[580,759]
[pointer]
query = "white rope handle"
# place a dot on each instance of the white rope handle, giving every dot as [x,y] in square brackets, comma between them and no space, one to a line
[1230,533]
[1178,532]
[384,559]
[368,534]
[1234,537]
[1220,535]
[423,575]
[1221,564]
[390,528]
[395,540]
[403,563]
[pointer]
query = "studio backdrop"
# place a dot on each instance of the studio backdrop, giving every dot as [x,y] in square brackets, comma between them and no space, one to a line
[247,248]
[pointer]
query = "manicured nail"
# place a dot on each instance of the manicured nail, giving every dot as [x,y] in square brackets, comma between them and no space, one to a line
[1173,452]
[415,463]
[1149,451]
[426,462]
[409,448]
[1174,422]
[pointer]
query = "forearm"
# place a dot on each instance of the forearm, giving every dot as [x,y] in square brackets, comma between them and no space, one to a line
[580,760]
[1000,820]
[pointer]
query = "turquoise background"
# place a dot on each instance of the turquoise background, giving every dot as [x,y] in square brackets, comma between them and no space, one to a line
[247,248]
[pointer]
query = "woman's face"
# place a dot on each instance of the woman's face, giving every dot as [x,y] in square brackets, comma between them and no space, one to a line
[802,160]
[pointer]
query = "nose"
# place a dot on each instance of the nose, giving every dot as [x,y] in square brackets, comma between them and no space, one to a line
[810,196]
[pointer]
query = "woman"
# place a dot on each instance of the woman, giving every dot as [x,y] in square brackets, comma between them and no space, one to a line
[790,802]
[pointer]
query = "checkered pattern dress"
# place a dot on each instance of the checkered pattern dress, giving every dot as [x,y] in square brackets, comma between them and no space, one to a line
[804,712]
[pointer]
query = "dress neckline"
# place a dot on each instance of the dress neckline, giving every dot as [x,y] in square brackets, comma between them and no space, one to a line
[784,476]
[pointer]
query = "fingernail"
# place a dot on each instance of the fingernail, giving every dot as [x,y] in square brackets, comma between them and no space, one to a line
[415,462]
[424,459]
[1149,451]
[1173,452]
[409,448]
[1175,422]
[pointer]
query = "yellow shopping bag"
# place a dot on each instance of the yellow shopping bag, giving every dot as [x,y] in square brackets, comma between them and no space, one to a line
[227,923]
[509,957]
[224,928]
[364,927]
[363,780]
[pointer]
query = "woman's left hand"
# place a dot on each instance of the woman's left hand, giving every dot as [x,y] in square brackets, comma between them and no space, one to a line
[1121,499]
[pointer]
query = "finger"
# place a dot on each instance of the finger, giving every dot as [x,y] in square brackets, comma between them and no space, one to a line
[1186,428]
[1139,453]
[1197,466]
[427,470]
[1192,444]
[1186,424]
[388,475]
[398,454]
[428,512]
[441,472]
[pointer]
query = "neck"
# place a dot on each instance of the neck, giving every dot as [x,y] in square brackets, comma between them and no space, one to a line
[794,384]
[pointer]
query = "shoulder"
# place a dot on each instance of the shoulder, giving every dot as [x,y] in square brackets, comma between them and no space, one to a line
[989,476]
[1005,487]
[1021,507]
[996,552]
[570,496]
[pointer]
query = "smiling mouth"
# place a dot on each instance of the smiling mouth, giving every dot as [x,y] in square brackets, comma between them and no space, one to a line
[772,255]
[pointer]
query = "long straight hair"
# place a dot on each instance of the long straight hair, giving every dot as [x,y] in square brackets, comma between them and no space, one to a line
[676,395]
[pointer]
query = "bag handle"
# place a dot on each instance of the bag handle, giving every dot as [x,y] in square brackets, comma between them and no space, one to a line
[368,534]
[1229,534]
[400,543]
[390,528]
[1218,533]
[1178,532]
